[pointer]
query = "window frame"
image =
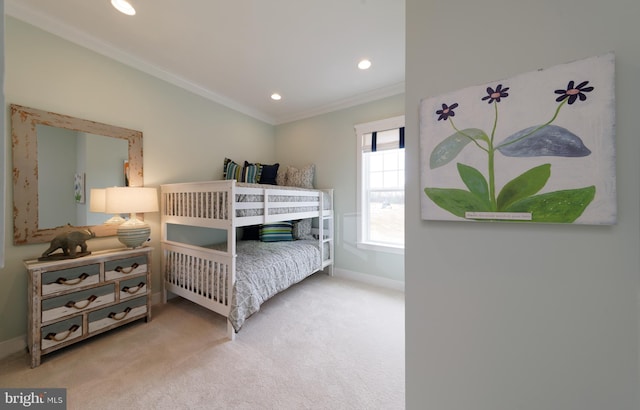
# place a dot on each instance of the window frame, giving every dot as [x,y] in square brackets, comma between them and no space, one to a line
[362,212]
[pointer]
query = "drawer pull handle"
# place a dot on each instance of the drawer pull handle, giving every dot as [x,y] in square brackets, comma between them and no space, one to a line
[127,270]
[79,306]
[54,336]
[133,289]
[64,281]
[122,315]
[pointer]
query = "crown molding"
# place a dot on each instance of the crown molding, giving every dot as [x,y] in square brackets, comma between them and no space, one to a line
[353,101]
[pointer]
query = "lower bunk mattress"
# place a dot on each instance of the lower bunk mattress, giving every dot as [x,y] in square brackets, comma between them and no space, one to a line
[263,269]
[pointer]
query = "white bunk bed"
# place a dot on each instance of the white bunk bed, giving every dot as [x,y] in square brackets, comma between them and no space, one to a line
[215,276]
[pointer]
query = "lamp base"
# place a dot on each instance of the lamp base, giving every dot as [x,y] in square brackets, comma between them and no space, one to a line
[115,220]
[133,236]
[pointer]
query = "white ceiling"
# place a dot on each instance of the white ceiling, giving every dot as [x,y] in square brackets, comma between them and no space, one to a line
[239,52]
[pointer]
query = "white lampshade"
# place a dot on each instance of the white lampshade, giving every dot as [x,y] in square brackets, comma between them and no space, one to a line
[97,203]
[118,200]
[96,200]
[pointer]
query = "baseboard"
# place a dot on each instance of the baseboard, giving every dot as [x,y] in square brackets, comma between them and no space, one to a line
[369,279]
[11,346]
[156,298]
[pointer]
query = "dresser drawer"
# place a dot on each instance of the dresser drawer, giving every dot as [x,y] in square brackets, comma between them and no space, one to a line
[60,332]
[69,279]
[133,287]
[72,303]
[115,314]
[123,268]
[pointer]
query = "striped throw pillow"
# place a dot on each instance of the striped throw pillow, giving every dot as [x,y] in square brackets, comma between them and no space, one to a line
[276,232]
[232,170]
[251,172]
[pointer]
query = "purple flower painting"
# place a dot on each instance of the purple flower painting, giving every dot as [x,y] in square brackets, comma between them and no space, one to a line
[538,147]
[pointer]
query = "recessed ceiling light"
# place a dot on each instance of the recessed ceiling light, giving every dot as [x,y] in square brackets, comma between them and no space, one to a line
[364,64]
[123,6]
[276,97]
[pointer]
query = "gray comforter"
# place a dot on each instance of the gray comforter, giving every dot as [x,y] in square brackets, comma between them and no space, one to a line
[264,269]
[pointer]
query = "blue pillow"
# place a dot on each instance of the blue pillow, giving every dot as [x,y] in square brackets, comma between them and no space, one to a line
[269,173]
[276,232]
[251,233]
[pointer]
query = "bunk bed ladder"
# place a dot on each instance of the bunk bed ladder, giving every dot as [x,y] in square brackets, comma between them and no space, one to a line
[325,231]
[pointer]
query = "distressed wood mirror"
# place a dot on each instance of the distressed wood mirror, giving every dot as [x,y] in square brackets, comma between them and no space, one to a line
[26,124]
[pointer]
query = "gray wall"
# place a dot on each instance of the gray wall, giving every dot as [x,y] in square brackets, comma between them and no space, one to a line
[513,316]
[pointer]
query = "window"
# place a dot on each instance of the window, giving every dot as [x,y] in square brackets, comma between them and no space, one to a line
[380,193]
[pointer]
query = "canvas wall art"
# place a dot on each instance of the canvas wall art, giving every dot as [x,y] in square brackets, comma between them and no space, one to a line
[78,188]
[537,147]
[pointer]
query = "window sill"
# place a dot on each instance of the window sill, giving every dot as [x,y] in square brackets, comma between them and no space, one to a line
[398,250]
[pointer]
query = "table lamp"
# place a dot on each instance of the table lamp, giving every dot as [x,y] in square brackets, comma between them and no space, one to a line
[118,200]
[97,204]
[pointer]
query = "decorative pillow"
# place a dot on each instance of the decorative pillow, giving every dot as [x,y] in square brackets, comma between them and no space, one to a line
[281,177]
[251,233]
[251,173]
[268,174]
[232,170]
[302,229]
[301,178]
[276,232]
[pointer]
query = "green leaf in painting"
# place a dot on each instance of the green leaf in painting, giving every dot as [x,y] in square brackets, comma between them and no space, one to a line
[556,207]
[524,185]
[476,182]
[456,201]
[448,149]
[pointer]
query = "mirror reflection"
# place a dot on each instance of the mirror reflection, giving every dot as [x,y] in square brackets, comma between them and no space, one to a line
[70,164]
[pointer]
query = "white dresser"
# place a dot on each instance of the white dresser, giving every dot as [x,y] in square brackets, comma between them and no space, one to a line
[73,299]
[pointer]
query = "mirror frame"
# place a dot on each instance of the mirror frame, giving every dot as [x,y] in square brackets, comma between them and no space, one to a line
[24,141]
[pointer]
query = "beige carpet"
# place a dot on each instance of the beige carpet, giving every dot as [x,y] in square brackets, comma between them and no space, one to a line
[326,343]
